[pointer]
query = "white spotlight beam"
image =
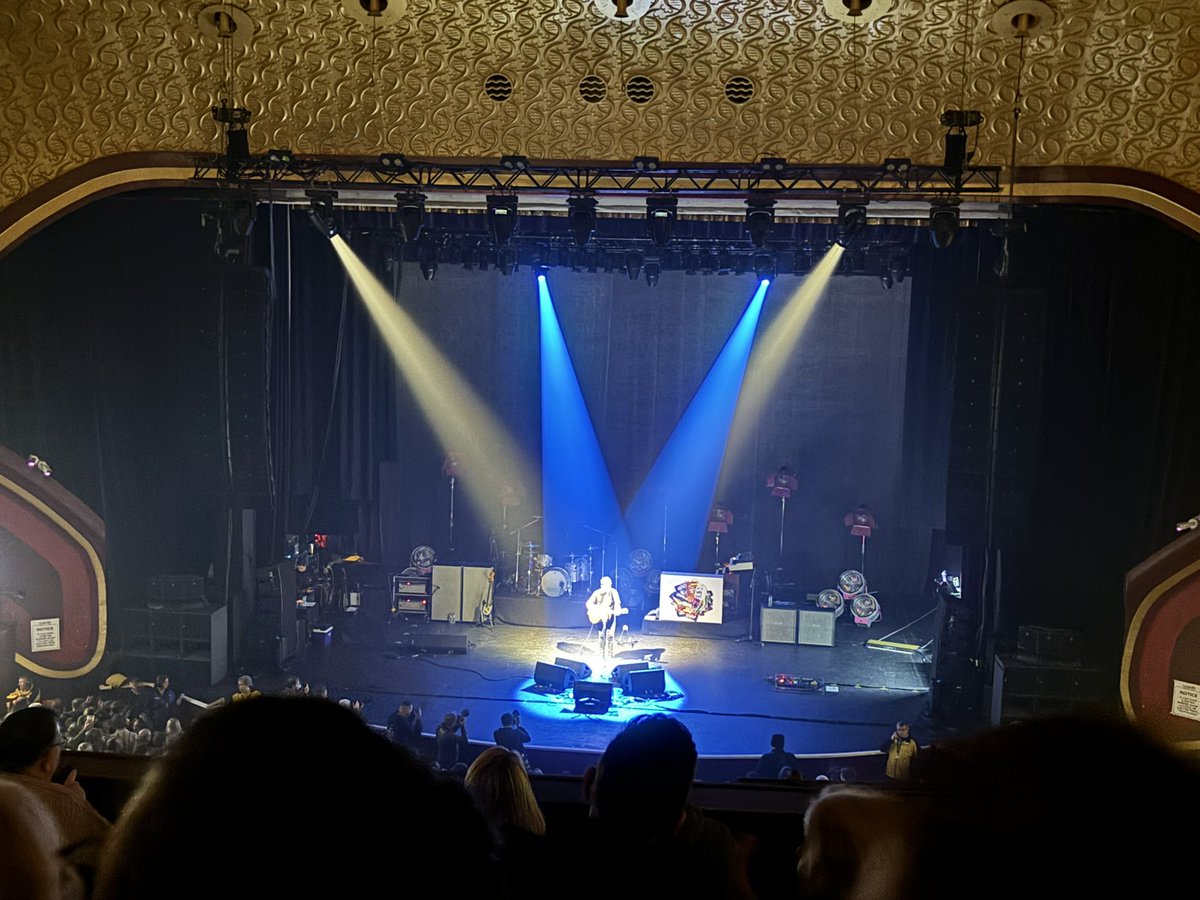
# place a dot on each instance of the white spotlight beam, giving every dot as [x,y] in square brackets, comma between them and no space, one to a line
[461,421]
[773,350]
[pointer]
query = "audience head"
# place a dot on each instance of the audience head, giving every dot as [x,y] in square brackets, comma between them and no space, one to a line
[29,852]
[1037,807]
[500,787]
[245,684]
[643,779]
[777,742]
[230,776]
[405,708]
[507,720]
[30,742]
[174,726]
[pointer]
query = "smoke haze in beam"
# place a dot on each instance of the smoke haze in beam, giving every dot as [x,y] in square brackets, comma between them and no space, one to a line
[772,353]
[463,424]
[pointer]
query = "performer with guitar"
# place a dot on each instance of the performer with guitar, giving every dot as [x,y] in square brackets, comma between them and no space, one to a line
[603,608]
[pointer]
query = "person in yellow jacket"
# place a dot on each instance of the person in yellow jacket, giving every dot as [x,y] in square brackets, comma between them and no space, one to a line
[900,748]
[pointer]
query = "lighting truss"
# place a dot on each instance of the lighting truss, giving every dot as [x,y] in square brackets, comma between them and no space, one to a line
[734,179]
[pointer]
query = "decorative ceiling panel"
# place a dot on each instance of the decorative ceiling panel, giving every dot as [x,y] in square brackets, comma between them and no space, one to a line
[1110,82]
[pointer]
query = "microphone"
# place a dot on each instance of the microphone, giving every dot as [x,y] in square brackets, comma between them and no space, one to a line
[1190,525]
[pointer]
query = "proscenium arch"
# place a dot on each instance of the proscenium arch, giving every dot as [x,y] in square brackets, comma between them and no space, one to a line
[125,172]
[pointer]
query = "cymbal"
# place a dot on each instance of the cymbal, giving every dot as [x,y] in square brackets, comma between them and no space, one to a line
[531,546]
[592,547]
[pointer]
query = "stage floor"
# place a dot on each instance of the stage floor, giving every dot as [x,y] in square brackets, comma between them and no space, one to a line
[721,689]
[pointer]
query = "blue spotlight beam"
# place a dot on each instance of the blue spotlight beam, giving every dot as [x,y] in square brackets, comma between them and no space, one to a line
[673,502]
[578,500]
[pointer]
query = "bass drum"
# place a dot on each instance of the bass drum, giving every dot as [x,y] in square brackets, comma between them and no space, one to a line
[555,582]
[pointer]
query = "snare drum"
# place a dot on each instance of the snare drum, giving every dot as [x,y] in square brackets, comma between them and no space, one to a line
[544,560]
[555,582]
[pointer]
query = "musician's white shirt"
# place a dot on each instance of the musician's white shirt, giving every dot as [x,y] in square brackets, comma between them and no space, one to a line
[605,601]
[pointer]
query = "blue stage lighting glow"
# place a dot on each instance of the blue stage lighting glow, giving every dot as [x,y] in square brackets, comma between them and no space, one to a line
[537,703]
[673,502]
[579,504]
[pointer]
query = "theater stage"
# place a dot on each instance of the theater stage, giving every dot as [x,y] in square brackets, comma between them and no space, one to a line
[721,688]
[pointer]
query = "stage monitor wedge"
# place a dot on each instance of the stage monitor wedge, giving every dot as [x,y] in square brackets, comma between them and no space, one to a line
[593,698]
[621,671]
[581,669]
[645,683]
[553,677]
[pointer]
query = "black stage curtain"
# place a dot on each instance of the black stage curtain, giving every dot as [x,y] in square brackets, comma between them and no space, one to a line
[1115,423]
[113,335]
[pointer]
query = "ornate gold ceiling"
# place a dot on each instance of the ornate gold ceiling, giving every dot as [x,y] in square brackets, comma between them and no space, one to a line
[1107,83]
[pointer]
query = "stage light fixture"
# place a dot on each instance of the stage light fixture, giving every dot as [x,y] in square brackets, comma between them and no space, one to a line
[279,157]
[540,270]
[506,261]
[653,272]
[957,121]
[237,140]
[764,266]
[515,163]
[943,222]
[760,218]
[660,217]
[410,211]
[502,217]
[646,163]
[898,267]
[886,280]
[429,267]
[633,265]
[852,218]
[395,161]
[320,210]
[897,166]
[581,215]
[772,165]
[41,465]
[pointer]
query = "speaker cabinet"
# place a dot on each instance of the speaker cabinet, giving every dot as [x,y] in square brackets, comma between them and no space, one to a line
[621,672]
[593,697]
[815,627]
[434,643]
[645,683]
[1024,689]
[581,669]
[447,594]
[778,625]
[553,677]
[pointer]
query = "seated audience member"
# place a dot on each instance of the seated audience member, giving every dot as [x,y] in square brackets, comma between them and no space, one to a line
[30,749]
[172,733]
[510,734]
[31,866]
[232,792]
[404,726]
[293,687]
[499,785]
[245,689]
[451,736]
[1033,810]
[770,764]
[23,695]
[639,791]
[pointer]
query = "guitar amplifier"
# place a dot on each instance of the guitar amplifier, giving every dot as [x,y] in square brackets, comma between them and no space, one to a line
[410,595]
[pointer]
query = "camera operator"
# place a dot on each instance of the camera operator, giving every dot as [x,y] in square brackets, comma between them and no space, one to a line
[452,740]
[510,734]
[404,726]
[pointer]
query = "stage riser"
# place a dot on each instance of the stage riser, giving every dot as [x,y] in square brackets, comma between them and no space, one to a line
[736,628]
[544,612]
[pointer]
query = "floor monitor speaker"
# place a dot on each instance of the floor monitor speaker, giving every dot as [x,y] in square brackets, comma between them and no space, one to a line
[593,697]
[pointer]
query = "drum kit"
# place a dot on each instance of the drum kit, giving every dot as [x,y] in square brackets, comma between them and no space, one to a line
[542,576]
